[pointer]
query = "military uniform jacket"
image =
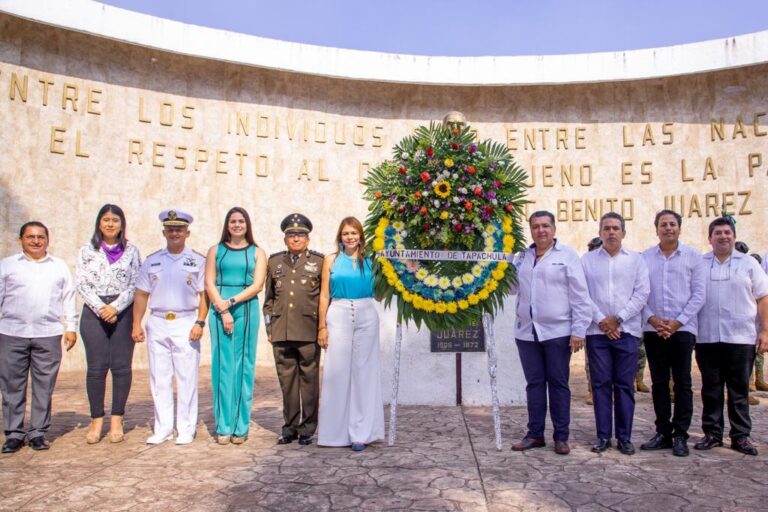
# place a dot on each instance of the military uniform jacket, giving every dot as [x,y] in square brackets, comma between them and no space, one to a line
[173,281]
[292,296]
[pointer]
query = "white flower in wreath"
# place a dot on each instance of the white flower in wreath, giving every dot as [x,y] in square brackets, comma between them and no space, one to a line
[400,247]
[494,202]
[398,238]
[477,270]
[456,199]
[421,274]
[467,278]
[436,203]
[463,190]
[456,282]
[404,234]
[431,280]
[455,176]
[398,225]
[433,184]
[425,194]
[444,283]
[412,266]
[490,229]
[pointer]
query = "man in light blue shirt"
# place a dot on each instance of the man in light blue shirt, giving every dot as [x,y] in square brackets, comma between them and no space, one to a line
[553,312]
[618,287]
[670,324]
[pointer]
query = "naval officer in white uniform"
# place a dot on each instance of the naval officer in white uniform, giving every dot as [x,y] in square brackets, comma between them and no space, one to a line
[171,283]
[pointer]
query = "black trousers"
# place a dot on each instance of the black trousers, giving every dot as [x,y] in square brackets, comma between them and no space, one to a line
[108,347]
[725,365]
[671,357]
[298,370]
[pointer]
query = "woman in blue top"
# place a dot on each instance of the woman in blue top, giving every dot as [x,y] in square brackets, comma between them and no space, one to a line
[351,405]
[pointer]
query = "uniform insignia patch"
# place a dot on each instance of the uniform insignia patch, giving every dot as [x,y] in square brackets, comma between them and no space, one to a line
[311,266]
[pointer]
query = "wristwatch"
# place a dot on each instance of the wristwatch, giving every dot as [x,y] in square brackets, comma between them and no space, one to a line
[201,323]
[232,301]
[619,319]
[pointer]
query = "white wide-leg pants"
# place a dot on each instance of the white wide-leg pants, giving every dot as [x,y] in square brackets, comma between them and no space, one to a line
[172,354]
[351,404]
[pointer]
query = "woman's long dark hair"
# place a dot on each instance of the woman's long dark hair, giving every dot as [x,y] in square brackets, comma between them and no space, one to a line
[226,237]
[97,237]
[354,223]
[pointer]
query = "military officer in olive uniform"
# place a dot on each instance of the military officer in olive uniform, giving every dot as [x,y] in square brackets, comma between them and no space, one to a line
[290,315]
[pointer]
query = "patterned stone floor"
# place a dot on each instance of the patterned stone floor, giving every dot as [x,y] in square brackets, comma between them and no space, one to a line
[444,459]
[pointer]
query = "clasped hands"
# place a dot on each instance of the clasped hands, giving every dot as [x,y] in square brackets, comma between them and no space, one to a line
[222,307]
[664,328]
[108,314]
[611,327]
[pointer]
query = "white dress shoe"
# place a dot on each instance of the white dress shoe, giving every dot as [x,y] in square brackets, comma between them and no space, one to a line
[159,438]
[184,439]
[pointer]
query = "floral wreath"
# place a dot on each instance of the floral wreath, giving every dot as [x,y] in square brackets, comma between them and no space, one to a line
[444,191]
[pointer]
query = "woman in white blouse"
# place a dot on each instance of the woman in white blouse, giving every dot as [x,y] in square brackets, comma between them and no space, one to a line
[107,267]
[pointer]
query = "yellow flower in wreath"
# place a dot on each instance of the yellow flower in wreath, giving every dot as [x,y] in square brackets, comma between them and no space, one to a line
[440,308]
[498,274]
[463,304]
[399,287]
[442,189]
[483,294]
[429,305]
[448,163]
[452,308]
[378,244]
[407,297]
[383,222]
[473,299]
[502,265]
[444,215]
[418,301]
[421,274]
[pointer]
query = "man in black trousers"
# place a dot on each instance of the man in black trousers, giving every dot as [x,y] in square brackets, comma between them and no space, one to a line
[670,324]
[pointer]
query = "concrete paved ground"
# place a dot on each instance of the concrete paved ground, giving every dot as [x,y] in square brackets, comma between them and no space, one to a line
[444,459]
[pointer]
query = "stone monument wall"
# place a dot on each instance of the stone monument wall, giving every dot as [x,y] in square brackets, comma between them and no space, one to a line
[86,120]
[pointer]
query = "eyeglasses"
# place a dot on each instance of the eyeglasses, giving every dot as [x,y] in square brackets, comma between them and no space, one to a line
[718,276]
[298,234]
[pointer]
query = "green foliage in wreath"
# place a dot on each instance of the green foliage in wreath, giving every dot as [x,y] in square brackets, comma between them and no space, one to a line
[443,191]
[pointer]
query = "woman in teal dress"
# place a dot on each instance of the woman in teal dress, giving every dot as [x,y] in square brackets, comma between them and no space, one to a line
[234,275]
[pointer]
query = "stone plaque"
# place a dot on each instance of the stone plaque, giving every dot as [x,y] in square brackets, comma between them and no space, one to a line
[471,339]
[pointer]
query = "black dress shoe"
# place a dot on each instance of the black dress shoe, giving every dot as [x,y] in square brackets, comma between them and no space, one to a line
[527,443]
[39,443]
[626,447]
[286,439]
[305,440]
[743,445]
[708,443]
[657,442]
[601,445]
[12,445]
[679,447]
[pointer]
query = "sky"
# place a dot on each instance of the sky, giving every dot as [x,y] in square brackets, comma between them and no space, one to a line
[471,28]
